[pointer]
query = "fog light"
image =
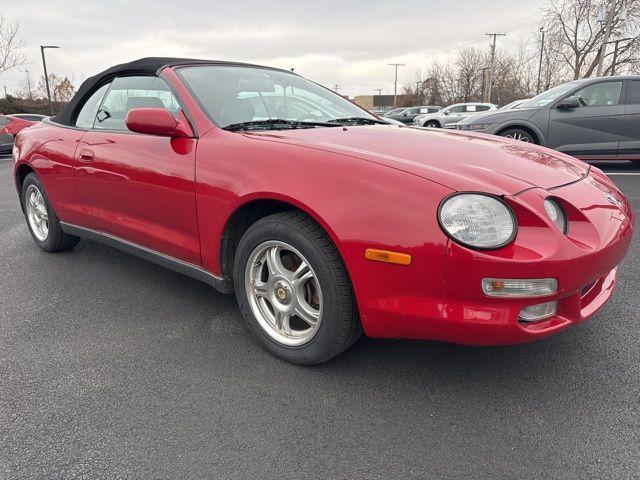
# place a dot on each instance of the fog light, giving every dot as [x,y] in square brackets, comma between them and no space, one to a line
[538,312]
[534,287]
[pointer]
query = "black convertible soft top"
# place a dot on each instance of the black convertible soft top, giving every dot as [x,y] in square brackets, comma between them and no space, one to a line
[143,66]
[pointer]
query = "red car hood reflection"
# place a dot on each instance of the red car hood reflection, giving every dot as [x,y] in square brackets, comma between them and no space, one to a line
[458,161]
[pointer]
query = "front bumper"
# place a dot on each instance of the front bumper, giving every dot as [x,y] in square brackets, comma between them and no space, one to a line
[584,262]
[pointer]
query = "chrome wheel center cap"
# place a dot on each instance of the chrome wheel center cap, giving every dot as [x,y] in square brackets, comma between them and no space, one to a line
[282,292]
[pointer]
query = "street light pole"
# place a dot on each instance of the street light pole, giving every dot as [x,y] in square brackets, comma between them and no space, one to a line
[395,82]
[46,75]
[540,64]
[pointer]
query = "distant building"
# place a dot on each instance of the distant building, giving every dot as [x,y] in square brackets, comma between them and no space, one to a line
[382,102]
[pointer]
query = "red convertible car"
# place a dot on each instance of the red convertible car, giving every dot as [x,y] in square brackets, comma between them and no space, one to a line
[323,220]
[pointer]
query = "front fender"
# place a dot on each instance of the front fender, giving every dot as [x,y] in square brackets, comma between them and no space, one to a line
[360,204]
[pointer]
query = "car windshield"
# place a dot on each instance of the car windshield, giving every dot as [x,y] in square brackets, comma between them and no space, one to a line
[238,97]
[549,96]
[395,111]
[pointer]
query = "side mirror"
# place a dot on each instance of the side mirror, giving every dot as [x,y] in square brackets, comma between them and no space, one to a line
[446,113]
[156,121]
[568,104]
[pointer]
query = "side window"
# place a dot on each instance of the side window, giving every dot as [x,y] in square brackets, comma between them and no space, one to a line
[90,108]
[482,108]
[456,109]
[413,111]
[633,94]
[470,108]
[127,93]
[599,95]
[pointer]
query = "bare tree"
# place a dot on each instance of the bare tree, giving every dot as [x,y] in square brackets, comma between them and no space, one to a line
[11,45]
[62,88]
[26,87]
[578,35]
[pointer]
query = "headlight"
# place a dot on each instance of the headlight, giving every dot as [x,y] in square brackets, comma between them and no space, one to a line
[477,220]
[475,126]
[556,214]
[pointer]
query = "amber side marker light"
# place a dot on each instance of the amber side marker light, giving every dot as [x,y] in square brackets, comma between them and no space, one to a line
[387,257]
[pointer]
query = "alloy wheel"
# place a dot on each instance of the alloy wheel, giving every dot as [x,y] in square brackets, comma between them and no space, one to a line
[518,136]
[284,293]
[37,213]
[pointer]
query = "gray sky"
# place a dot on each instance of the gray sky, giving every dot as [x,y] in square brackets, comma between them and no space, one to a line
[344,42]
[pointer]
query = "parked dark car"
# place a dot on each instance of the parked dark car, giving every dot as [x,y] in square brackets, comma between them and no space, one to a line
[408,114]
[6,139]
[592,119]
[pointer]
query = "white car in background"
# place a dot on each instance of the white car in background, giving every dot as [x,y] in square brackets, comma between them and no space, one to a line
[452,114]
[509,106]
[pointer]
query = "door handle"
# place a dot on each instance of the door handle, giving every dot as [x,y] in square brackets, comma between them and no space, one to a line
[86,155]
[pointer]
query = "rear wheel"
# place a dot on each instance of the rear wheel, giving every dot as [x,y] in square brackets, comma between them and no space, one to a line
[42,221]
[432,124]
[293,289]
[519,134]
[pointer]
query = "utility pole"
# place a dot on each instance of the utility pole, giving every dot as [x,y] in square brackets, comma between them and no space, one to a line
[540,64]
[418,92]
[395,82]
[336,87]
[46,75]
[484,79]
[487,89]
[605,39]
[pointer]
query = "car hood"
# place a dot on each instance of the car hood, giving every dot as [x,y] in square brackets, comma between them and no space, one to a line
[497,116]
[456,160]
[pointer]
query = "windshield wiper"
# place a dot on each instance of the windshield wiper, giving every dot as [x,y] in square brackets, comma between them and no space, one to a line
[276,123]
[357,121]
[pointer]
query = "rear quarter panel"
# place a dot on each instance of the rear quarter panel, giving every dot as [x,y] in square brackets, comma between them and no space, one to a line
[49,151]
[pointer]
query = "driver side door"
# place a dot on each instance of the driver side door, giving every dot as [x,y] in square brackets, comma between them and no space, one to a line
[592,130]
[137,187]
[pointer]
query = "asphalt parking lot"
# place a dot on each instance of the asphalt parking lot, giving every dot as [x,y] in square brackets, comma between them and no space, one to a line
[114,367]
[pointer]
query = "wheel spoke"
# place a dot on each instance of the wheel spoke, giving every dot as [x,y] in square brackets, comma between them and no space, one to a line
[260,289]
[282,321]
[302,273]
[274,263]
[307,314]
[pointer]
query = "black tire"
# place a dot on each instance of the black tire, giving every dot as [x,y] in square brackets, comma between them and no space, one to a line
[56,240]
[340,325]
[431,124]
[519,134]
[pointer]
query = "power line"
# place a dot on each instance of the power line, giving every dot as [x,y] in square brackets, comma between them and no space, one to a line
[506,27]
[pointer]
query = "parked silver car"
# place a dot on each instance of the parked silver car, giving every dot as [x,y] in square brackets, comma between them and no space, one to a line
[452,114]
[409,114]
[592,119]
